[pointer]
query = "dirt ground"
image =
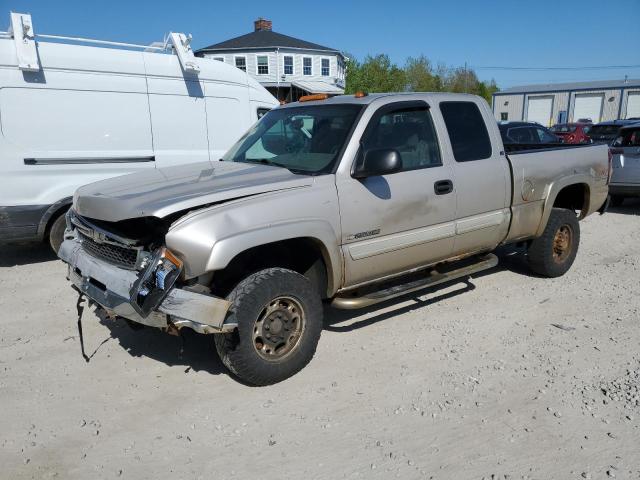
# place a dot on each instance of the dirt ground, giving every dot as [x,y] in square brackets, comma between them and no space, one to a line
[504,376]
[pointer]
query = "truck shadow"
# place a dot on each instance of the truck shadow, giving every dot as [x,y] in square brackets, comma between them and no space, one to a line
[192,350]
[18,254]
[333,317]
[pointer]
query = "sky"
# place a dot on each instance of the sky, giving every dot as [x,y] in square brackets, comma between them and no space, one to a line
[541,34]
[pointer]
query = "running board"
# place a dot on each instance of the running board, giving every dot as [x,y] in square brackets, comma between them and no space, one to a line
[434,278]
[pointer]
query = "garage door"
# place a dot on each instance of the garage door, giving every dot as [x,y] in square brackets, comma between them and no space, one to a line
[633,105]
[588,106]
[539,110]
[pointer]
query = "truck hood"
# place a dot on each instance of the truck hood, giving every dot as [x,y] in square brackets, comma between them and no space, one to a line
[161,192]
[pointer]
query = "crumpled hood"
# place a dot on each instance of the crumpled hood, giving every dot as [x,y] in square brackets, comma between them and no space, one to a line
[161,192]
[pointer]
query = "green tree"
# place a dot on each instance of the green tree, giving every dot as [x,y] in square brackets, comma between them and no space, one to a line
[374,74]
[420,76]
[378,74]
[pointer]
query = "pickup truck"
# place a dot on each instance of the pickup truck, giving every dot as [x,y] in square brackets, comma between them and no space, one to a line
[351,200]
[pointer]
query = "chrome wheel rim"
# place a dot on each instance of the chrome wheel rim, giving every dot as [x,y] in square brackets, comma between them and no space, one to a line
[278,329]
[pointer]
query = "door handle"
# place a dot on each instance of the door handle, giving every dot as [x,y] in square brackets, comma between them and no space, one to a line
[442,187]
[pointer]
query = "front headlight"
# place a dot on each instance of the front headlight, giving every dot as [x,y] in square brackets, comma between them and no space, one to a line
[154,283]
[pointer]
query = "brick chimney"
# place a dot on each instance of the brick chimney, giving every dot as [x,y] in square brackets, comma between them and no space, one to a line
[262,24]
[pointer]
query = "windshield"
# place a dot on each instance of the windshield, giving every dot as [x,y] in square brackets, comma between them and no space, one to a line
[564,128]
[304,140]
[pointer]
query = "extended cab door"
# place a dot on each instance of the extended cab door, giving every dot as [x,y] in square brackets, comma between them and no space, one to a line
[393,223]
[483,179]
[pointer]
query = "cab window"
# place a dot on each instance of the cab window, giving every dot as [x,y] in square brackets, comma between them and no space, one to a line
[467,131]
[410,132]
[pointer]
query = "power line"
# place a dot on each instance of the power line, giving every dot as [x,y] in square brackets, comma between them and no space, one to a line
[541,69]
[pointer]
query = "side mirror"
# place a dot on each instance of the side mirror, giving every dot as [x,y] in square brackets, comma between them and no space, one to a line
[373,163]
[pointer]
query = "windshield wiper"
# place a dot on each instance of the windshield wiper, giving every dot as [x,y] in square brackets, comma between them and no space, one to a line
[266,161]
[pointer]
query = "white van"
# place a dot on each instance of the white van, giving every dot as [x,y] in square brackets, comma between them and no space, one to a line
[72,114]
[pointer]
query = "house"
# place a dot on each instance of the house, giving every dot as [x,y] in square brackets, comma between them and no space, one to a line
[549,104]
[286,66]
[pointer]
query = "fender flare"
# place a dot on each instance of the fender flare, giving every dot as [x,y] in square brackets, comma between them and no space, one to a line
[319,231]
[554,189]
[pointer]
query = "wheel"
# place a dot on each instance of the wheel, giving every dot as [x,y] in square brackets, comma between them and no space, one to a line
[56,233]
[553,253]
[616,200]
[279,318]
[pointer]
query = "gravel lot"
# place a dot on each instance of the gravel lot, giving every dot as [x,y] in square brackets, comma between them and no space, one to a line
[506,376]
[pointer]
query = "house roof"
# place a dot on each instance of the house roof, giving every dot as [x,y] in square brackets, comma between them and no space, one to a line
[264,39]
[561,87]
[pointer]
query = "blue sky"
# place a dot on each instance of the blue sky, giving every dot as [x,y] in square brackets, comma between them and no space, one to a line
[483,33]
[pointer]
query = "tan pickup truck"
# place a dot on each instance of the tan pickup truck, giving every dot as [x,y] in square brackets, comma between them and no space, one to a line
[352,200]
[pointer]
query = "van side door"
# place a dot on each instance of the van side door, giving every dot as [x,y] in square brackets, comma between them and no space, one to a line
[483,178]
[177,111]
[396,222]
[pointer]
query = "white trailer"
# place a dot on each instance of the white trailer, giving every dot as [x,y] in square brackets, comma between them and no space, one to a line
[74,111]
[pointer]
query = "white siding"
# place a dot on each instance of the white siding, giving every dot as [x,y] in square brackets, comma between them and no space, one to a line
[513,107]
[635,95]
[276,65]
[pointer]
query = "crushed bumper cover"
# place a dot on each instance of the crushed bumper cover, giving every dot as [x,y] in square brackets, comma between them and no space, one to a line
[111,287]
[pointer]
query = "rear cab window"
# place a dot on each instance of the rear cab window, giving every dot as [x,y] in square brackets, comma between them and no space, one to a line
[467,131]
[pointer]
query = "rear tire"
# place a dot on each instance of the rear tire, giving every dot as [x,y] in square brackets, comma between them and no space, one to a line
[56,233]
[279,318]
[616,200]
[552,254]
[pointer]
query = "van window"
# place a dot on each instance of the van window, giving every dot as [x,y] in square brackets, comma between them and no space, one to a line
[467,131]
[262,112]
[110,124]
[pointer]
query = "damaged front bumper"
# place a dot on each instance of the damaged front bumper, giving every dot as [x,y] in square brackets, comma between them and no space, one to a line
[147,297]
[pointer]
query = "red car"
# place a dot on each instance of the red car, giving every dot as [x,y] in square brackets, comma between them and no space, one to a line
[572,132]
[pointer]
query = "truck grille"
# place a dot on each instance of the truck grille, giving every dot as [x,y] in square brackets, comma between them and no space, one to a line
[120,256]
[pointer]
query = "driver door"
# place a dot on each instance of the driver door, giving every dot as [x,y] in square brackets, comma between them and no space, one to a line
[397,222]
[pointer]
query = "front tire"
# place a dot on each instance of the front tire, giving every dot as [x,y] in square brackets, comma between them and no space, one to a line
[552,254]
[279,318]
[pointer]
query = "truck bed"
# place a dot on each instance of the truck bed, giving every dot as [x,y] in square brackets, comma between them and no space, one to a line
[540,171]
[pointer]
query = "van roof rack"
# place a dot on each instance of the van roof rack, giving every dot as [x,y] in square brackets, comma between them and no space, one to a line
[24,38]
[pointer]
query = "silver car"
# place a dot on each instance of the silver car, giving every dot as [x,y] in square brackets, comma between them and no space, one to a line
[625,177]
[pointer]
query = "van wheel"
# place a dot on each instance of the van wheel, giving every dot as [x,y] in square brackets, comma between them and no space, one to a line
[553,253]
[56,233]
[279,318]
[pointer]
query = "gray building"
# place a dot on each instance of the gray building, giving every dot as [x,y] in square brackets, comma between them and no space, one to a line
[286,66]
[549,104]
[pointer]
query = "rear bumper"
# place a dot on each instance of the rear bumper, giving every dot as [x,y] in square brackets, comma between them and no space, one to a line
[625,189]
[113,289]
[20,223]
